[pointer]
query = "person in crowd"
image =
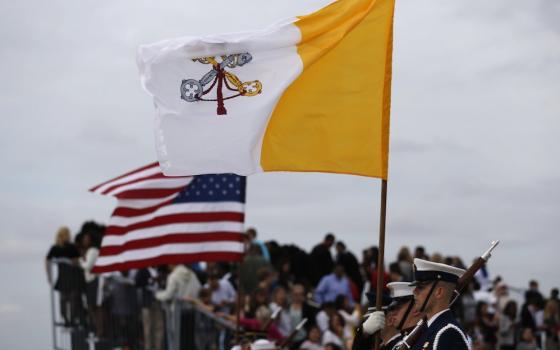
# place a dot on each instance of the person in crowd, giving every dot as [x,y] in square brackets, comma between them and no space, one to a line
[488,324]
[469,308]
[147,281]
[258,299]
[252,265]
[528,341]
[267,279]
[404,260]
[313,341]
[554,298]
[70,281]
[351,265]
[223,294]
[206,333]
[323,316]
[551,325]
[508,326]
[286,277]
[395,274]
[369,260]
[333,285]
[534,289]
[181,283]
[350,315]
[529,310]
[420,253]
[90,244]
[374,275]
[436,257]
[280,303]
[252,240]
[502,295]
[122,294]
[336,333]
[300,309]
[321,259]
[260,323]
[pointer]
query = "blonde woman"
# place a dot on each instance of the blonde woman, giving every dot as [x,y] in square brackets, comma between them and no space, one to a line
[63,256]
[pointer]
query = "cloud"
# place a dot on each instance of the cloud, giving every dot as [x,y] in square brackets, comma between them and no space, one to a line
[8,309]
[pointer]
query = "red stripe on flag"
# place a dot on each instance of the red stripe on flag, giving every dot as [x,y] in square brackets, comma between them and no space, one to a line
[148,193]
[173,238]
[177,218]
[131,212]
[170,259]
[156,164]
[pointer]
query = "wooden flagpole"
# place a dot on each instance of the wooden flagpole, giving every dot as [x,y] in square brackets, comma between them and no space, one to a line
[380,258]
[239,303]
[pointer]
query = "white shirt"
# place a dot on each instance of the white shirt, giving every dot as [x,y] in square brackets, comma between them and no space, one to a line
[225,292]
[181,282]
[322,320]
[88,262]
[330,337]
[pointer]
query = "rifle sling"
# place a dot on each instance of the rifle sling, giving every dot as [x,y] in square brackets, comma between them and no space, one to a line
[429,295]
[405,316]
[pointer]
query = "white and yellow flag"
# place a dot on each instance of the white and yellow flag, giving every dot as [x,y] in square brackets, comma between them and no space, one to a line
[309,94]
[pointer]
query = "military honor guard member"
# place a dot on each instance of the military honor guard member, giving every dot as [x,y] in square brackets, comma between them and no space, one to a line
[400,315]
[363,339]
[433,290]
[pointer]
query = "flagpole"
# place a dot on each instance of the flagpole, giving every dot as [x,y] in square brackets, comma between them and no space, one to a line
[380,258]
[239,296]
[239,287]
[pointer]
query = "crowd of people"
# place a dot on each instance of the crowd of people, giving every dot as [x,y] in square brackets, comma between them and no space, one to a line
[275,288]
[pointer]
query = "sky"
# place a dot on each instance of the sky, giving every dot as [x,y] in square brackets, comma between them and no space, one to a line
[474,142]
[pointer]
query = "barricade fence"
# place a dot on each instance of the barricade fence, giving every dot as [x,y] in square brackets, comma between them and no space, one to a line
[112,312]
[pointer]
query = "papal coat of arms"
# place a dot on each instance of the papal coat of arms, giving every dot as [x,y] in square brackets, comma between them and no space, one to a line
[193,90]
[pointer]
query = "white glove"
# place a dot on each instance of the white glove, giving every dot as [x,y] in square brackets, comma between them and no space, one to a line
[375,322]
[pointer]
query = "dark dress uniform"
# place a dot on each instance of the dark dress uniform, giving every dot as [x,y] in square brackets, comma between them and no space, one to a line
[443,334]
[392,343]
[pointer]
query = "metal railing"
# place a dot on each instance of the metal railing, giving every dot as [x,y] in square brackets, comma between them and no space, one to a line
[120,319]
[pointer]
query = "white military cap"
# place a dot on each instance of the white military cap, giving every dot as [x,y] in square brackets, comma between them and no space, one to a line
[263,344]
[400,290]
[425,270]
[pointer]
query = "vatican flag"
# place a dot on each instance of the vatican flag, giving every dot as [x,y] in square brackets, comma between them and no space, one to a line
[308,94]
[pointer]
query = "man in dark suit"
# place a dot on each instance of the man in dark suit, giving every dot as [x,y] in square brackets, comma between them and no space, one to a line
[434,285]
[350,263]
[321,261]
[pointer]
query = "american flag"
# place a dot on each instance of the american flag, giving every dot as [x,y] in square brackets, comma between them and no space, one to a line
[170,220]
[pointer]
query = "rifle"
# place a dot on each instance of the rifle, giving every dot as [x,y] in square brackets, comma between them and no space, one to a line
[412,338]
[464,280]
[271,319]
[291,336]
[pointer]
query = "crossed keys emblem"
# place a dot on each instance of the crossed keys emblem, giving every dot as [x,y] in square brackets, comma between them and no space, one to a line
[193,90]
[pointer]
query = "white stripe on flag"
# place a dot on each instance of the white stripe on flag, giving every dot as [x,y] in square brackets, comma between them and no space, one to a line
[143,203]
[179,208]
[151,184]
[162,230]
[144,173]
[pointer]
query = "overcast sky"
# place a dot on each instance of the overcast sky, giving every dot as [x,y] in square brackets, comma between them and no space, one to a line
[474,135]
